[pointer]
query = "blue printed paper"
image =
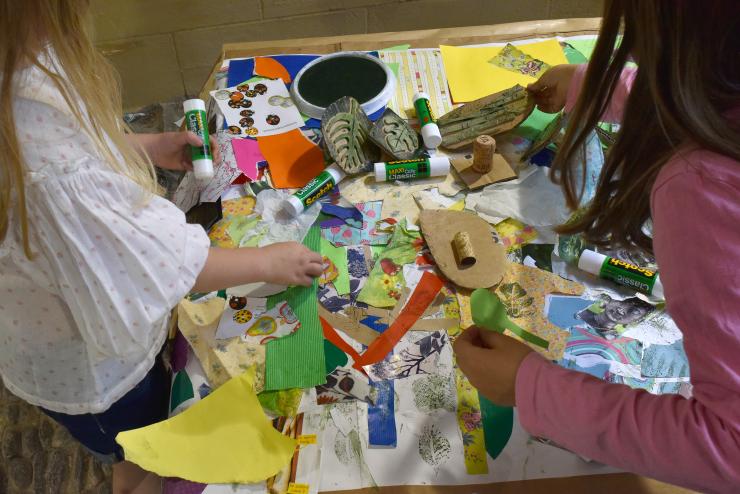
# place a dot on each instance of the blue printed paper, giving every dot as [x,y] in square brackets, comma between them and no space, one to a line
[665,361]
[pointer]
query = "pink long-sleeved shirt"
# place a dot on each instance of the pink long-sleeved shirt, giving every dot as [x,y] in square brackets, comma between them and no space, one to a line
[694,442]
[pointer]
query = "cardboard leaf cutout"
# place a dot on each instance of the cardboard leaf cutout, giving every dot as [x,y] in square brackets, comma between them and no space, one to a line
[490,115]
[439,228]
[346,131]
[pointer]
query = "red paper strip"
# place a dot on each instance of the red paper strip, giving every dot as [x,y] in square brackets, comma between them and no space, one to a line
[424,294]
[271,68]
[331,334]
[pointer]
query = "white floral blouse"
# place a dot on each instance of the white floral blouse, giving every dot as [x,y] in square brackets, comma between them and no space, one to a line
[81,323]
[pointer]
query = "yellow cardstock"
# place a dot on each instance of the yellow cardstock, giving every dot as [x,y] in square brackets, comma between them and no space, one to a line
[471,76]
[224,438]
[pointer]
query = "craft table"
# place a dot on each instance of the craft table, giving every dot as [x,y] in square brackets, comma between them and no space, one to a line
[616,483]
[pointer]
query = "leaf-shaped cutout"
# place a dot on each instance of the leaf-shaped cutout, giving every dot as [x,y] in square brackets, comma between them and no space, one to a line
[434,448]
[346,128]
[395,136]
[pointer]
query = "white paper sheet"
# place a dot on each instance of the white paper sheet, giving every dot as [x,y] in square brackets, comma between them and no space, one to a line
[260,108]
[536,201]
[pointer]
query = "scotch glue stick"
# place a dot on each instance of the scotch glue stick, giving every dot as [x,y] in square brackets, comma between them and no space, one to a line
[412,169]
[195,118]
[624,273]
[429,130]
[313,190]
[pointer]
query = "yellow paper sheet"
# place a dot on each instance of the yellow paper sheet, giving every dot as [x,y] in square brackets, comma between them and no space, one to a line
[224,438]
[471,76]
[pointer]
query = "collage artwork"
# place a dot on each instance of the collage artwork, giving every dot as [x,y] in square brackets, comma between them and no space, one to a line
[352,383]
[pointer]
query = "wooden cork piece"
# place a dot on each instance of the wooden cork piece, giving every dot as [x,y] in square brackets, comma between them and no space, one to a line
[463,248]
[483,149]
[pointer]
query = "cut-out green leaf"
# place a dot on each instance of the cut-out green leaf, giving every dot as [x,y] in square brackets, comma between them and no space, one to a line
[346,131]
[395,136]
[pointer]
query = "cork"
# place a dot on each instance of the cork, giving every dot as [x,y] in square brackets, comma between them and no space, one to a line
[463,248]
[483,149]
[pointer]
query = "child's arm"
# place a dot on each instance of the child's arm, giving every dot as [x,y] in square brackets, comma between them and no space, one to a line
[693,442]
[286,263]
[559,87]
[171,150]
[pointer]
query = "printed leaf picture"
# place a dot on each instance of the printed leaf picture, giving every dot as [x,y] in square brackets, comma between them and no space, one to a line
[434,448]
[515,298]
[513,59]
[434,392]
[346,131]
[395,136]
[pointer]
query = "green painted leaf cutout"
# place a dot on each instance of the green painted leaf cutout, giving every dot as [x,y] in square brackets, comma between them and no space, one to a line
[395,136]
[182,389]
[490,313]
[498,422]
[334,357]
[346,131]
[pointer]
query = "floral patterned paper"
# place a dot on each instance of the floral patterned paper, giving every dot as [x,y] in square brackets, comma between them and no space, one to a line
[523,290]
[385,284]
[513,59]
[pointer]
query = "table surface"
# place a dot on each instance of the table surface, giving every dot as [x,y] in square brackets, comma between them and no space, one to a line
[432,38]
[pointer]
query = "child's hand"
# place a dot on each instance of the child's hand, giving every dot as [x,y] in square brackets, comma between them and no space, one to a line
[290,263]
[171,150]
[551,89]
[491,360]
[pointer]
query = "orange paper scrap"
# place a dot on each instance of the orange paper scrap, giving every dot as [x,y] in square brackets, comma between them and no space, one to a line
[424,294]
[271,68]
[293,160]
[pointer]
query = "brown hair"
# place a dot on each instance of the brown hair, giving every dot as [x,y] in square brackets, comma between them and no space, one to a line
[688,54]
[80,74]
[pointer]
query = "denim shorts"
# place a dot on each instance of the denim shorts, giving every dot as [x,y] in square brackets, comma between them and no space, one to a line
[144,405]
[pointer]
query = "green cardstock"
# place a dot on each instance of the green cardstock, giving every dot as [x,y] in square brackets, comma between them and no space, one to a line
[182,389]
[498,422]
[334,357]
[489,313]
[338,256]
[297,360]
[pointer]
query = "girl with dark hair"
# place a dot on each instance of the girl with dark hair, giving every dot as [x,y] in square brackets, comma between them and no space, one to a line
[676,162]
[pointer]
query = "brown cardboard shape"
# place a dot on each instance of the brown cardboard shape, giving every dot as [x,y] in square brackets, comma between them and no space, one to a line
[500,171]
[439,228]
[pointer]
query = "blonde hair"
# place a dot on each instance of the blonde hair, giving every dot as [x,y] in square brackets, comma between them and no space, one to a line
[27,29]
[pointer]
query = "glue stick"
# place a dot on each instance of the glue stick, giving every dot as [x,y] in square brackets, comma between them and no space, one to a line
[429,130]
[412,169]
[313,190]
[195,117]
[623,273]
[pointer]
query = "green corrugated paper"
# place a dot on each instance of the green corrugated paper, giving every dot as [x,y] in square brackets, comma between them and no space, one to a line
[297,361]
